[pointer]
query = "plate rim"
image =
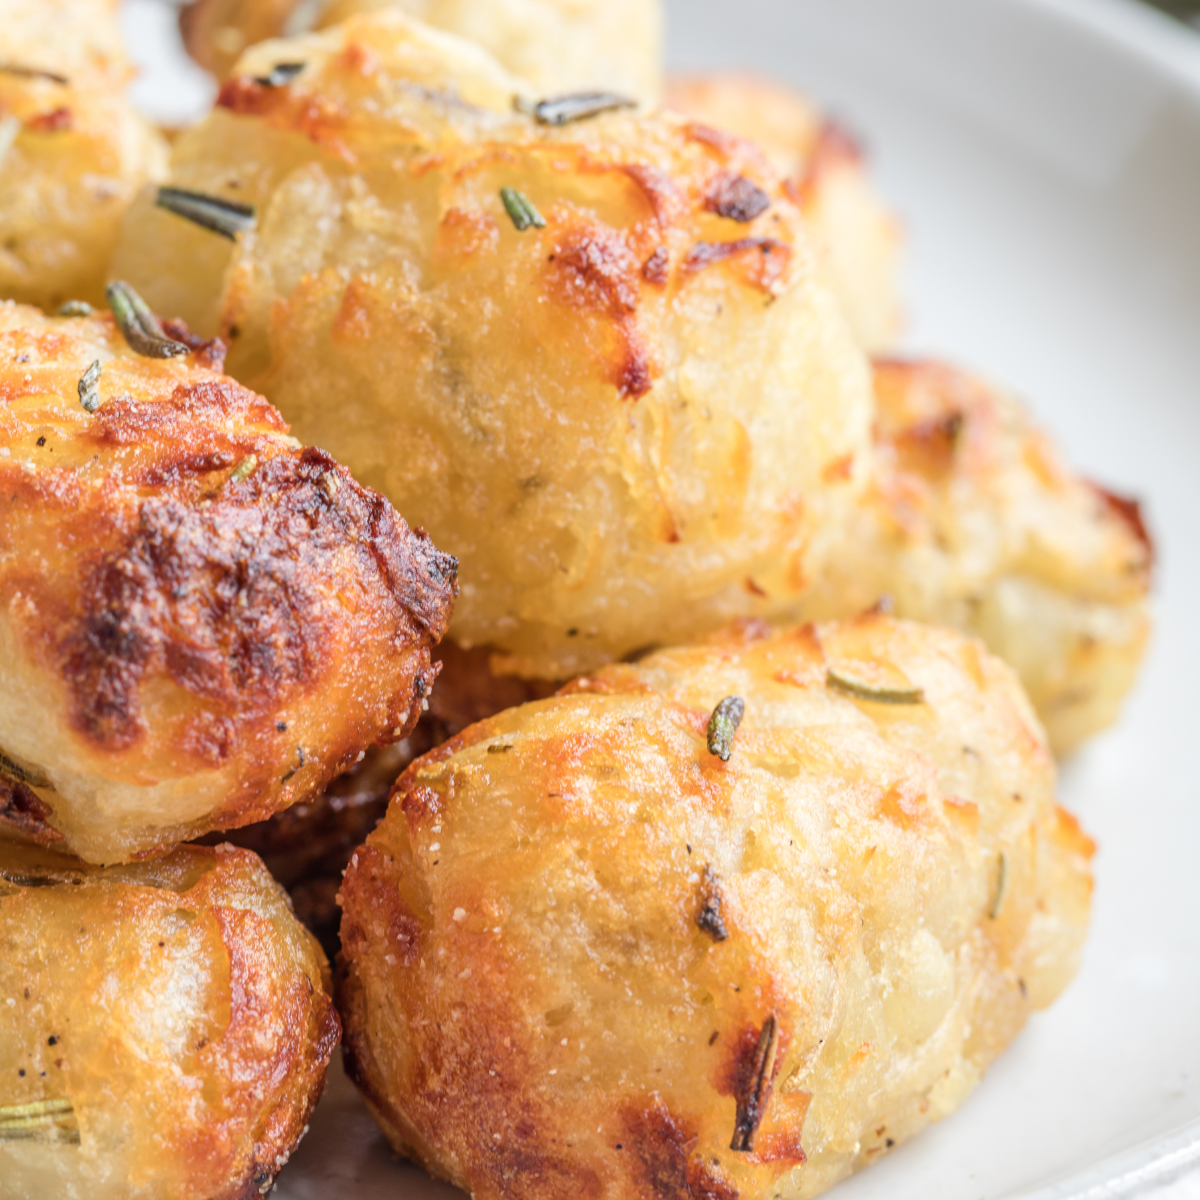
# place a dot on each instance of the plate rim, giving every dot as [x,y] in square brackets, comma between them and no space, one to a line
[1171,49]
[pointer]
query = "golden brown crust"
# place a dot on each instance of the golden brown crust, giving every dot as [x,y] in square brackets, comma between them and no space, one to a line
[188,593]
[826,173]
[583,955]
[197,1077]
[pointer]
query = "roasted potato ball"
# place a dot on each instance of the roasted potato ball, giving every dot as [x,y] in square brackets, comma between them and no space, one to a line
[583,955]
[557,45]
[73,153]
[626,424]
[972,520]
[859,239]
[165,1027]
[201,622]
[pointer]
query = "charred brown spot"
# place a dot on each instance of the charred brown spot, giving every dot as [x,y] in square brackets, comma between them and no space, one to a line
[835,146]
[1129,511]
[764,260]
[246,96]
[663,1148]
[736,198]
[711,918]
[593,270]
[24,814]
[660,190]
[230,598]
[206,352]
[657,268]
[57,120]
[374,911]
[930,445]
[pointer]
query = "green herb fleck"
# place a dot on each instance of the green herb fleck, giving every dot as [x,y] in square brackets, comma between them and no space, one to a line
[226,217]
[752,1101]
[723,724]
[520,209]
[280,75]
[21,774]
[21,72]
[89,390]
[75,308]
[244,469]
[878,693]
[140,326]
[42,1120]
[577,106]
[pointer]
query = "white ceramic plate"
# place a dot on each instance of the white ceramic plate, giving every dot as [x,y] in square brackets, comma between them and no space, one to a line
[1046,155]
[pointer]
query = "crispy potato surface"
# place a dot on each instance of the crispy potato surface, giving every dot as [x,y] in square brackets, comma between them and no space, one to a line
[859,239]
[584,956]
[73,153]
[166,1027]
[626,424]
[972,520]
[201,622]
[557,45]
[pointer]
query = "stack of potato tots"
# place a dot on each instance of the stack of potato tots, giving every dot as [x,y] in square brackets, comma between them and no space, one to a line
[456,487]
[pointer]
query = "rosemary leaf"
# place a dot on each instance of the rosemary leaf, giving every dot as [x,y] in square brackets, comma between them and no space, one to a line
[244,469]
[89,390]
[280,75]
[21,774]
[7,68]
[723,724]
[752,1102]
[520,208]
[75,308]
[1001,887]
[862,690]
[577,106]
[42,1120]
[226,217]
[139,325]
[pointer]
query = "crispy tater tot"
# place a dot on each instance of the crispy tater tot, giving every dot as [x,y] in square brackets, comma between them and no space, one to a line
[859,239]
[201,621]
[73,153]
[585,954]
[165,1030]
[557,45]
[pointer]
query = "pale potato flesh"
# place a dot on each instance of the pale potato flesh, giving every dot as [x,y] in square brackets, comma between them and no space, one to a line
[175,1013]
[577,927]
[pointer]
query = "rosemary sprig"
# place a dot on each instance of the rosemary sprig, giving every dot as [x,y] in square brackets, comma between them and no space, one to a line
[21,774]
[75,308]
[577,106]
[752,1103]
[723,724]
[35,1121]
[226,217]
[280,75]
[1001,887]
[7,68]
[89,391]
[139,325]
[880,694]
[521,210]
[244,469]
